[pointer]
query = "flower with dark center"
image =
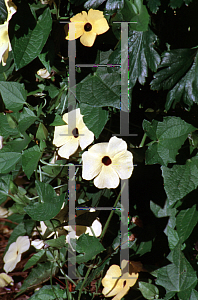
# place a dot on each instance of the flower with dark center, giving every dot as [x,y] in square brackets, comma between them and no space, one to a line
[87,27]
[70,137]
[106,163]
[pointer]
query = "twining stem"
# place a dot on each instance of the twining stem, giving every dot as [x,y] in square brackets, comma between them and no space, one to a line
[111,214]
[82,285]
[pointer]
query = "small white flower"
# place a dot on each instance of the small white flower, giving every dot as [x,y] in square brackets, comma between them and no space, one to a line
[15,250]
[3,212]
[44,73]
[68,138]
[38,244]
[5,280]
[107,163]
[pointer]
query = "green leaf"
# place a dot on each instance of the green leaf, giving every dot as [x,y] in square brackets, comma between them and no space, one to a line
[178,3]
[153,5]
[8,161]
[166,211]
[148,290]
[29,36]
[186,221]
[4,187]
[95,118]
[57,243]
[26,119]
[177,75]
[38,275]
[111,5]
[42,132]
[49,206]
[100,89]
[142,56]
[93,3]
[194,295]
[180,179]
[57,121]
[34,259]
[30,159]
[5,129]
[88,246]
[173,237]
[49,292]
[13,94]
[135,11]
[47,55]
[177,276]
[170,136]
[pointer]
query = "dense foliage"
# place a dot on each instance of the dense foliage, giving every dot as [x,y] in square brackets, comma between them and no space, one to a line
[163,126]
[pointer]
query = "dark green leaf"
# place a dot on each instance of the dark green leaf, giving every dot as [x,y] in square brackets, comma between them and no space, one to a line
[180,179]
[178,3]
[173,238]
[111,5]
[178,74]
[142,56]
[100,89]
[194,295]
[30,36]
[177,276]
[8,160]
[3,11]
[19,230]
[47,55]
[95,118]
[49,206]
[49,292]
[42,132]
[170,136]
[5,129]
[38,275]
[93,3]
[186,221]
[26,119]
[13,94]
[57,121]
[88,246]
[148,290]
[57,243]
[30,159]
[4,186]
[153,5]
[34,259]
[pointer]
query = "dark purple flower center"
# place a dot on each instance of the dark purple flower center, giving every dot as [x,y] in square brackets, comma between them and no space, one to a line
[75,132]
[106,160]
[88,27]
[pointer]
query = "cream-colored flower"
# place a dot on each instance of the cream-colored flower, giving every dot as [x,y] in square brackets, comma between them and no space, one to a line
[13,255]
[44,73]
[3,212]
[116,282]
[5,280]
[107,163]
[5,45]
[38,244]
[88,26]
[69,137]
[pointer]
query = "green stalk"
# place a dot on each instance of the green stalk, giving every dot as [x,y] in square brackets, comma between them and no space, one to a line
[143,140]
[81,288]
[111,214]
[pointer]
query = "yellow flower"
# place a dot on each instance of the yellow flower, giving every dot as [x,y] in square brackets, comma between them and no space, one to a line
[117,283]
[13,255]
[5,280]
[5,45]
[88,26]
[68,138]
[107,163]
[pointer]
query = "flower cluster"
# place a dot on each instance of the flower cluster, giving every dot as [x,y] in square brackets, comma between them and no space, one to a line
[5,45]
[106,163]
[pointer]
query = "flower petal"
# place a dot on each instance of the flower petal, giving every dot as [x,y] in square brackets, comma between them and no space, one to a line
[23,244]
[5,279]
[86,137]
[108,178]
[81,17]
[96,226]
[75,117]
[69,148]
[123,165]
[100,26]
[94,15]
[88,38]
[61,135]
[11,254]
[115,146]
[124,290]
[91,165]
[110,279]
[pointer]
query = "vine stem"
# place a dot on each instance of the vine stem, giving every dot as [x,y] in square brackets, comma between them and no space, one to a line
[111,214]
[143,140]
[81,288]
